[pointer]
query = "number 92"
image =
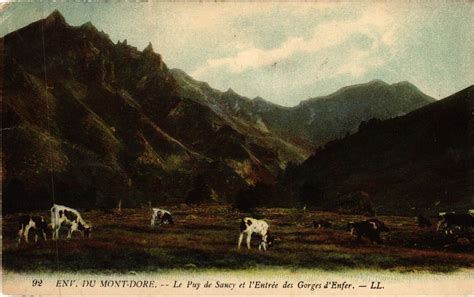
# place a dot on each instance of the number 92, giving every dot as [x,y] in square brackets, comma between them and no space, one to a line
[37,282]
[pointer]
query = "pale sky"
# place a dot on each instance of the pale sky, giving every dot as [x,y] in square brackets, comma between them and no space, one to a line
[288,52]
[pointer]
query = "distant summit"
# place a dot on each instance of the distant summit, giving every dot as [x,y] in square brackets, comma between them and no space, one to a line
[55,17]
[230,91]
[148,48]
[331,117]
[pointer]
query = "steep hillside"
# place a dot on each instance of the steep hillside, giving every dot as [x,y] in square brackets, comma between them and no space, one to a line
[88,122]
[420,162]
[331,117]
[315,121]
[245,116]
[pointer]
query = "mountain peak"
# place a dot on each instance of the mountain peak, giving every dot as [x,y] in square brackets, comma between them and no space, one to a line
[89,26]
[406,84]
[377,82]
[148,48]
[230,91]
[262,102]
[258,98]
[180,72]
[55,17]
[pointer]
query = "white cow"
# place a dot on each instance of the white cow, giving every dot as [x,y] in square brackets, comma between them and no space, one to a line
[161,215]
[248,226]
[65,216]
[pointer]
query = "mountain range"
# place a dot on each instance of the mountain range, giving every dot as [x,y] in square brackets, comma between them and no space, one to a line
[88,122]
[421,162]
[316,120]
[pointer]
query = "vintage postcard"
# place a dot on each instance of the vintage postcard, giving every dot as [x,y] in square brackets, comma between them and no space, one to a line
[237,148]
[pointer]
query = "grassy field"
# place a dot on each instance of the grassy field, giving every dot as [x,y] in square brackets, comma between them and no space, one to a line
[206,237]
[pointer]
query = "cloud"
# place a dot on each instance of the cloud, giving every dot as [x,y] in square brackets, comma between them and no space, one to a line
[360,62]
[375,23]
[318,46]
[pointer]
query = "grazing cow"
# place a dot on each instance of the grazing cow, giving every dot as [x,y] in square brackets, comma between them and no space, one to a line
[319,224]
[452,221]
[27,222]
[378,225]
[64,216]
[370,228]
[441,223]
[161,215]
[423,221]
[248,226]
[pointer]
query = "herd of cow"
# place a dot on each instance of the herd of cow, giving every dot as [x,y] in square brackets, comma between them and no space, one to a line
[69,218]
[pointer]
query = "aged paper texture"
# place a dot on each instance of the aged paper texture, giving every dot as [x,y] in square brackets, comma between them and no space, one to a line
[237,148]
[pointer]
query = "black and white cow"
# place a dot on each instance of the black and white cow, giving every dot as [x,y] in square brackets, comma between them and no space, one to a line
[160,216]
[423,221]
[36,223]
[370,228]
[450,222]
[65,216]
[249,226]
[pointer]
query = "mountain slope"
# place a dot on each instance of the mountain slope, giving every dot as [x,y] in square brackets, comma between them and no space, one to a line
[107,122]
[420,162]
[244,115]
[316,121]
[327,118]
[87,122]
